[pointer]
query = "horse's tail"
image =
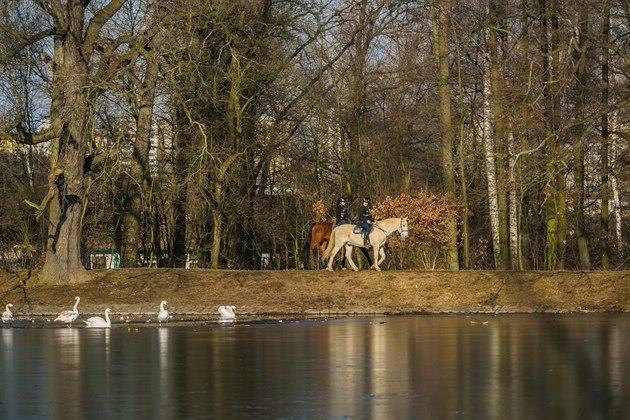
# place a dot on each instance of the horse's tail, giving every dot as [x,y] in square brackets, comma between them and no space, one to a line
[304,257]
[329,248]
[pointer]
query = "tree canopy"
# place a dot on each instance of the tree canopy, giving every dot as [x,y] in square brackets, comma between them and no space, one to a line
[203,133]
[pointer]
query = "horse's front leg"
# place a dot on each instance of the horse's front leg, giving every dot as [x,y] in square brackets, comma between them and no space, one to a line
[377,250]
[381,252]
[349,258]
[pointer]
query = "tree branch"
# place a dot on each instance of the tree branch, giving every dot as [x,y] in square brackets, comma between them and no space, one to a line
[24,41]
[50,133]
[372,16]
[97,22]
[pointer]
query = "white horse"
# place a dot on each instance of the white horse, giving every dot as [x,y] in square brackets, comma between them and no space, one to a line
[344,236]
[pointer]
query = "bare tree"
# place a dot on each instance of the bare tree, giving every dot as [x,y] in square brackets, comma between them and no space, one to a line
[579,58]
[84,60]
[605,139]
[439,24]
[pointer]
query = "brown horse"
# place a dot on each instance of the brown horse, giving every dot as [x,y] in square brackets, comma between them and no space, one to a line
[319,236]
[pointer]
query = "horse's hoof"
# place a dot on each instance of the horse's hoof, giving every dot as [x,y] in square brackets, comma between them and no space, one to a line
[329,269]
[355,269]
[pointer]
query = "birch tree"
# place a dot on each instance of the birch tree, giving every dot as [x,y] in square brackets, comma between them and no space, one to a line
[499,127]
[514,206]
[617,210]
[490,164]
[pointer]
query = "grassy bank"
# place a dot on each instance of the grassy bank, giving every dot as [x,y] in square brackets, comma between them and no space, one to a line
[271,293]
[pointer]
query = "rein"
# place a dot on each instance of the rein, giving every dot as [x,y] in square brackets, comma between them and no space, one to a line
[400,229]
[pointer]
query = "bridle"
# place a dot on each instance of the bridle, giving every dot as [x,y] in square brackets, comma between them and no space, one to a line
[404,230]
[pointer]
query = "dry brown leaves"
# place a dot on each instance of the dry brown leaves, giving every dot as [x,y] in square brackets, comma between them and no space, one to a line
[319,209]
[427,215]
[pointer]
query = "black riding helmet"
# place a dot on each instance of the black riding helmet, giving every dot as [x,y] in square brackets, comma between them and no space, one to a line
[341,200]
[366,199]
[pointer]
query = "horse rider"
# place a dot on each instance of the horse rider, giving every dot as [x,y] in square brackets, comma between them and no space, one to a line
[366,221]
[341,213]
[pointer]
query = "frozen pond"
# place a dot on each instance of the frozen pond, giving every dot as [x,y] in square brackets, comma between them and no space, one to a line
[430,367]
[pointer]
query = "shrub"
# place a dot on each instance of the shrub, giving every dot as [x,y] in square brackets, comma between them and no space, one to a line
[428,216]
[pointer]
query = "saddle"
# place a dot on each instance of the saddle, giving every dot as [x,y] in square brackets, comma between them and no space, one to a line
[357,229]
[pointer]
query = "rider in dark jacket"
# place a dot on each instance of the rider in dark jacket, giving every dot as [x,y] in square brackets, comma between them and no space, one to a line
[366,220]
[341,213]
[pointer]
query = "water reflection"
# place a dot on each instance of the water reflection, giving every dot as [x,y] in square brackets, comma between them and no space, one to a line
[63,358]
[512,367]
[163,383]
[8,354]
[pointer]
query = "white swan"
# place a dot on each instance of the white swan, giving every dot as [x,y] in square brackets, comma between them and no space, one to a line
[163,314]
[226,313]
[69,316]
[7,315]
[98,322]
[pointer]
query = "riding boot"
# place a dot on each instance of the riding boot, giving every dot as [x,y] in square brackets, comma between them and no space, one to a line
[366,239]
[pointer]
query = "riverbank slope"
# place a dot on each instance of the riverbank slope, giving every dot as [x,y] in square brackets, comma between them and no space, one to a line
[273,293]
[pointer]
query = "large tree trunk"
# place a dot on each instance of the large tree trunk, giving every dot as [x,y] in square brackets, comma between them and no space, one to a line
[357,147]
[177,258]
[217,231]
[579,58]
[218,198]
[182,147]
[463,179]
[523,163]
[357,103]
[605,170]
[560,179]
[139,172]
[490,165]
[554,185]
[499,135]
[72,111]
[73,94]
[439,23]
[465,204]
[551,251]
[513,204]
[616,199]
